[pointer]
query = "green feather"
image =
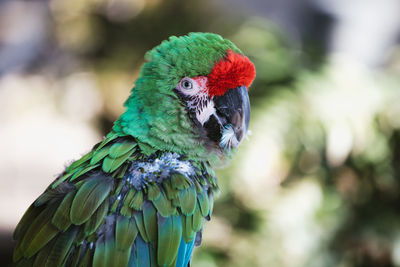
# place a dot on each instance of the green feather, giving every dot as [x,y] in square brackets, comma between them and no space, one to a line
[197,219]
[61,179]
[146,149]
[79,162]
[118,188]
[199,188]
[97,218]
[99,154]
[169,238]
[76,255]
[169,191]
[80,183]
[152,254]
[153,192]
[61,247]
[18,252]
[119,149]
[61,218]
[187,229]
[26,220]
[88,198]
[204,204]
[99,254]
[115,256]
[110,137]
[150,220]
[175,202]
[164,239]
[187,199]
[41,238]
[111,164]
[83,171]
[125,232]
[137,201]
[87,259]
[111,258]
[120,258]
[179,181]
[140,225]
[42,256]
[164,206]
[39,232]
[126,211]
[129,196]
[122,171]
[49,194]
[115,205]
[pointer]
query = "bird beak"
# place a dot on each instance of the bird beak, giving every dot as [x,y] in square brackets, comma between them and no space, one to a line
[233,112]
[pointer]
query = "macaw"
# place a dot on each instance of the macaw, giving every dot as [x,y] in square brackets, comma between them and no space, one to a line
[140,197]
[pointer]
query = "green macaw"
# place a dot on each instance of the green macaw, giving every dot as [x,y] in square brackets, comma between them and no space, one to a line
[141,196]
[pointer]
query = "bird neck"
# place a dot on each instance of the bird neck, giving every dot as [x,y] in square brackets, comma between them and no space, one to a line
[161,127]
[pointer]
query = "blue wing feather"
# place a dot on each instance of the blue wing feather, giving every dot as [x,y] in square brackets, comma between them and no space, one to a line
[184,253]
[142,252]
[133,258]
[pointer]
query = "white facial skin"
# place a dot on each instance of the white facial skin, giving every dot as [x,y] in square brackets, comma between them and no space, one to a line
[199,102]
[196,90]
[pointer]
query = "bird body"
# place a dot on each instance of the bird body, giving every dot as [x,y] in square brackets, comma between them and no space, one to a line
[141,196]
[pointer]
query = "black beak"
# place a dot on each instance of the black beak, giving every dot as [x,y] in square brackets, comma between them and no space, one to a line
[233,114]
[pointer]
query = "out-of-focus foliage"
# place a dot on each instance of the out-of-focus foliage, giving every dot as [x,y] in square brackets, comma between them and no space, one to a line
[317,181]
[319,175]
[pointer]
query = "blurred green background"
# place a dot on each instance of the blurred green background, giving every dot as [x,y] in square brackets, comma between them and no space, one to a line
[317,183]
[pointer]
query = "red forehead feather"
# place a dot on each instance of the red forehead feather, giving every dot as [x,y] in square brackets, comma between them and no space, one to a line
[232,71]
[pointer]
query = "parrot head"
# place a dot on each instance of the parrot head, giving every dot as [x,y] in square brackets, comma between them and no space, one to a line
[191,96]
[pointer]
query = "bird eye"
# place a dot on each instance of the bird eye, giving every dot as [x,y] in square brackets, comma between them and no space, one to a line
[186,84]
[192,86]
